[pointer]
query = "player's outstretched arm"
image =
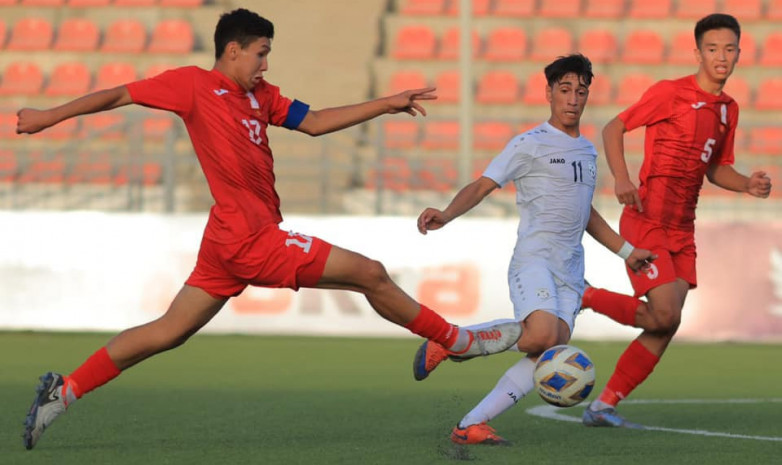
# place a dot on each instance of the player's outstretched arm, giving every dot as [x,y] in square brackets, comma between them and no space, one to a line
[613,144]
[469,196]
[637,259]
[758,184]
[319,122]
[31,120]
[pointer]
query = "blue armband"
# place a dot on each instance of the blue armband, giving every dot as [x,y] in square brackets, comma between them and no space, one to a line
[296,113]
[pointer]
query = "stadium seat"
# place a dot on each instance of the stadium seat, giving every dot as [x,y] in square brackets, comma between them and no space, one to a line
[513,8]
[404,80]
[422,7]
[42,3]
[559,8]
[77,35]
[9,166]
[172,36]
[147,174]
[771,55]
[438,174]
[646,9]
[599,45]
[416,42]
[694,9]
[135,3]
[448,85]
[441,135]
[44,168]
[773,10]
[604,9]
[91,168]
[400,134]
[479,7]
[766,140]
[106,126]
[157,68]
[682,48]
[181,3]
[7,2]
[8,125]
[157,125]
[749,48]
[535,89]
[393,174]
[114,74]
[125,36]
[634,142]
[631,87]
[643,47]
[64,130]
[31,34]
[743,10]
[738,88]
[87,3]
[498,87]
[506,44]
[600,90]
[450,44]
[769,94]
[21,78]
[551,42]
[68,79]
[3,32]
[491,135]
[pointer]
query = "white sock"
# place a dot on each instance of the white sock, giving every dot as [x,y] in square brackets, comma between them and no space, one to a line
[516,383]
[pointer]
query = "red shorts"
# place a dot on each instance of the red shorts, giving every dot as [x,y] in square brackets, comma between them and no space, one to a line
[675,250]
[268,258]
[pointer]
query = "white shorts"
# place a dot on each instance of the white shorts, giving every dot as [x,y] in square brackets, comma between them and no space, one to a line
[533,287]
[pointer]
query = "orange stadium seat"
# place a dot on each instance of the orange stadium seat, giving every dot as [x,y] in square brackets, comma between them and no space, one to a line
[3,32]
[766,140]
[136,3]
[604,9]
[448,86]
[646,9]
[771,55]
[441,135]
[450,46]
[506,44]
[157,125]
[600,90]
[643,47]
[87,3]
[394,174]
[400,134]
[769,95]
[7,2]
[634,143]
[8,125]
[125,36]
[22,78]
[77,35]
[9,166]
[406,79]
[114,74]
[491,135]
[181,3]
[44,3]
[437,174]
[738,88]
[31,34]
[559,8]
[631,87]
[415,42]
[513,8]
[535,89]
[422,7]
[106,126]
[68,79]
[92,168]
[749,48]
[743,10]
[172,36]
[551,42]
[148,174]
[599,45]
[694,9]
[479,7]
[774,10]
[682,48]
[64,130]
[157,68]
[498,87]
[44,168]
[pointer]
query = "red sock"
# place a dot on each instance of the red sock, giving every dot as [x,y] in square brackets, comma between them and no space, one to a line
[432,326]
[635,364]
[619,307]
[98,370]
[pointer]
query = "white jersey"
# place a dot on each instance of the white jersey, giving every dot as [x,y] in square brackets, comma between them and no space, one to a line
[555,177]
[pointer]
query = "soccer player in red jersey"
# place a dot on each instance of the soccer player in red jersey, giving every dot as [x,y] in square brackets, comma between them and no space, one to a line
[226,111]
[690,129]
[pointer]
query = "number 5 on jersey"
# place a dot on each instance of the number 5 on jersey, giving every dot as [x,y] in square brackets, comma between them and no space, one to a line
[254,128]
[707,150]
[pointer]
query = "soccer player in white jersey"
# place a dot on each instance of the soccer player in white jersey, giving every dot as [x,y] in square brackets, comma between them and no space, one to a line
[553,168]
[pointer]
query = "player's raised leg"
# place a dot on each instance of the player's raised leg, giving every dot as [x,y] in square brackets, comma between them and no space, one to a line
[191,309]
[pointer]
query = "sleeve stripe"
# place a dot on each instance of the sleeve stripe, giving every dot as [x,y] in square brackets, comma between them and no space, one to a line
[296,113]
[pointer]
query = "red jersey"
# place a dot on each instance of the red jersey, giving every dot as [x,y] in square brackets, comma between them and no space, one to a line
[687,129]
[227,126]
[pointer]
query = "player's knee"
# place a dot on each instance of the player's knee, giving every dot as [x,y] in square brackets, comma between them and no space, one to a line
[375,274]
[665,320]
[538,342]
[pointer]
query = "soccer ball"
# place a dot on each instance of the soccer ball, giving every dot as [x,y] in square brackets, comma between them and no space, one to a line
[564,376]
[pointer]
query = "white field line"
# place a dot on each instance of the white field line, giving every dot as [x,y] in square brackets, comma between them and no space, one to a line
[551,412]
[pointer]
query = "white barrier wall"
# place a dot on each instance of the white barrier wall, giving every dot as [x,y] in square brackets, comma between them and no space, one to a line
[98,271]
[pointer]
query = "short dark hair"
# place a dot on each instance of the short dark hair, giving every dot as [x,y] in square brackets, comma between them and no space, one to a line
[242,26]
[715,21]
[575,63]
